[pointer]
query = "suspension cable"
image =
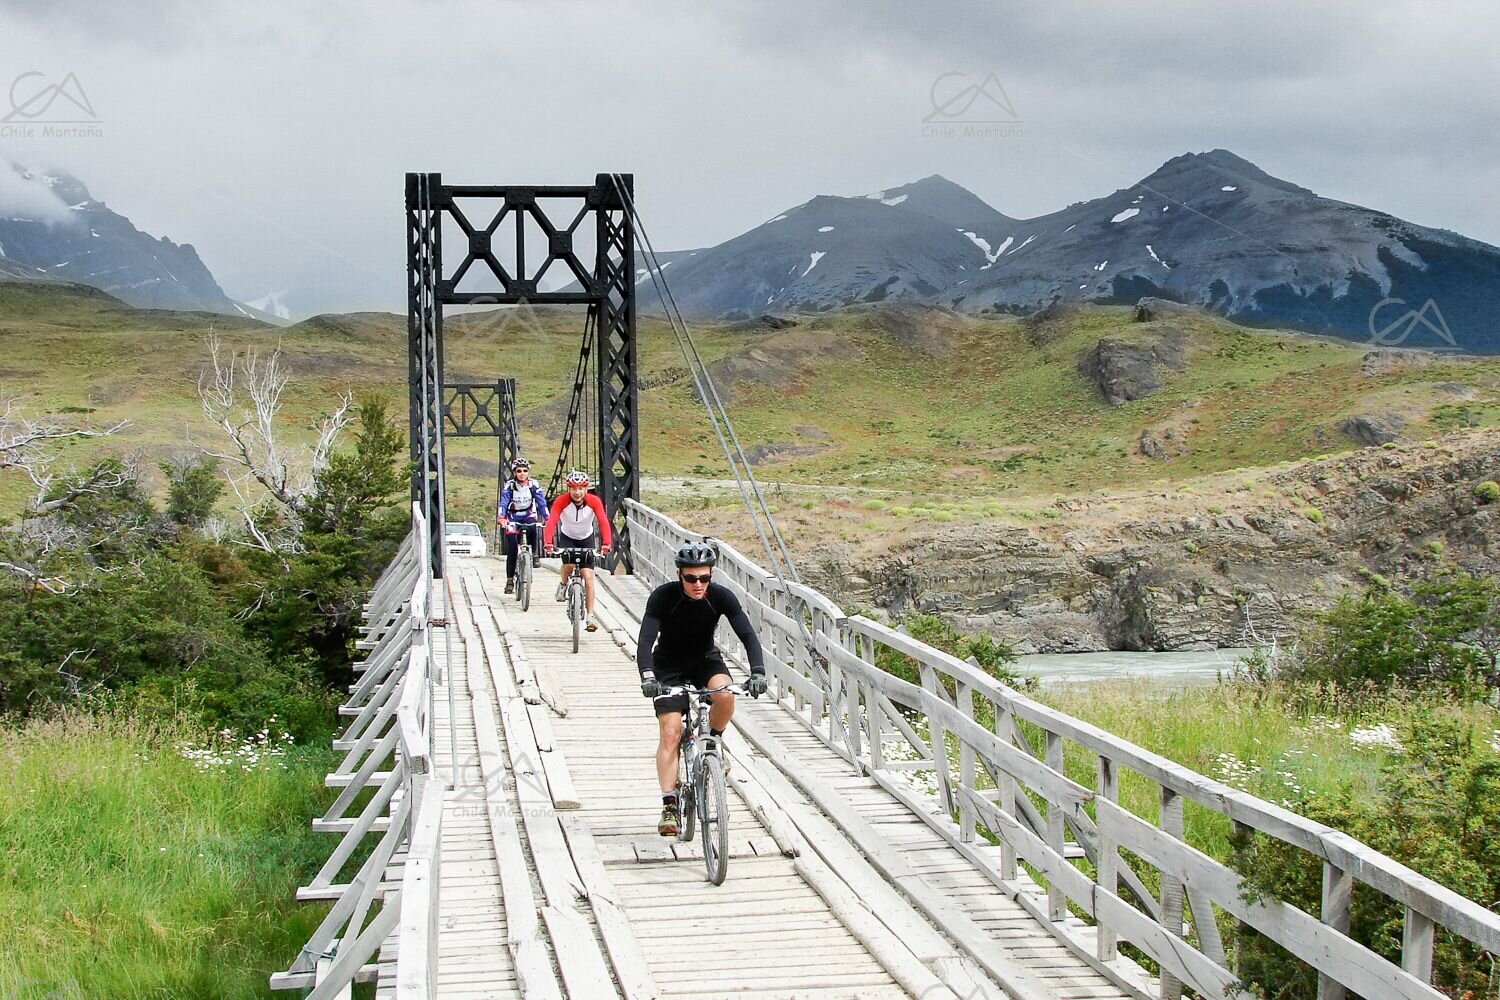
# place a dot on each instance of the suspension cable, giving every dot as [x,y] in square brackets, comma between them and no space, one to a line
[575,405]
[729,441]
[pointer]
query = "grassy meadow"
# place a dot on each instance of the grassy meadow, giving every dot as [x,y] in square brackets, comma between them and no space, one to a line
[909,408]
[153,860]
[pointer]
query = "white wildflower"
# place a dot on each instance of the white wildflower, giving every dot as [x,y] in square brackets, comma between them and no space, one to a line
[1379,736]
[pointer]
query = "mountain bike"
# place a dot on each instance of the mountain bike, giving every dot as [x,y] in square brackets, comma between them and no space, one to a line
[577,606]
[525,560]
[702,794]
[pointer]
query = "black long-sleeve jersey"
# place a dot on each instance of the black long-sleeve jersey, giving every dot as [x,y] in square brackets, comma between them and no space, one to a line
[678,632]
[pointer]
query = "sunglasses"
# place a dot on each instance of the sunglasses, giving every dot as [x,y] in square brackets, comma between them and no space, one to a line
[695,578]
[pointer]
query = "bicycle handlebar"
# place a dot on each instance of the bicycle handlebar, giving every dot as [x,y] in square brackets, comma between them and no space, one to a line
[691,690]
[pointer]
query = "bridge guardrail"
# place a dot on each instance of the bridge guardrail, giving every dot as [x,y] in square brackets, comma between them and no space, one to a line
[391,705]
[999,784]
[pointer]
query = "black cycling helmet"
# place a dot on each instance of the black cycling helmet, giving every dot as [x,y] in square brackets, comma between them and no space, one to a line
[697,554]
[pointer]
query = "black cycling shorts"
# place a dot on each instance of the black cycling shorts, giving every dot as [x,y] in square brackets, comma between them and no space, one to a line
[698,676]
[577,551]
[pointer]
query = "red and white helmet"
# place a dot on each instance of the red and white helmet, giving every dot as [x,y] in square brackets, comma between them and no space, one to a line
[577,478]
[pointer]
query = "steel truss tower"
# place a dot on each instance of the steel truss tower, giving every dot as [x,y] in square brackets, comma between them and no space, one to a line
[545,222]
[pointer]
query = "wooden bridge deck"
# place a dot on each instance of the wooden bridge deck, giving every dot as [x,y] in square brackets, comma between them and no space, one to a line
[554,882]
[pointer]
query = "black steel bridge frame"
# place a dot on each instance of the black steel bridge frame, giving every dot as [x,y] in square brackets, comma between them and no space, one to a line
[606,285]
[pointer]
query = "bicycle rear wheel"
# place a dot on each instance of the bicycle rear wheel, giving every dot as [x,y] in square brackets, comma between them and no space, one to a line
[713,816]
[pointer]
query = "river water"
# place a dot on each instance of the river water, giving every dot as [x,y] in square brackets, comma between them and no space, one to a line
[1173,668]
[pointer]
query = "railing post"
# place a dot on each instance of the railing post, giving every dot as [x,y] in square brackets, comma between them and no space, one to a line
[853,722]
[965,767]
[1057,902]
[1108,878]
[874,714]
[1416,945]
[937,735]
[1171,887]
[1338,892]
[1005,728]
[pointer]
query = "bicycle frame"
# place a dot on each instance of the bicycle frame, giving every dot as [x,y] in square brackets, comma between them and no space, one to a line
[525,559]
[701,791]
[577,607]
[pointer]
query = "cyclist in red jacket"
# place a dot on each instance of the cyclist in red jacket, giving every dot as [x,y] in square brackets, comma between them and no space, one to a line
[577,521]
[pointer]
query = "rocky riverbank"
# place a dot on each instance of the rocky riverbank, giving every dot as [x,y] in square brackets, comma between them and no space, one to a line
[1146,572]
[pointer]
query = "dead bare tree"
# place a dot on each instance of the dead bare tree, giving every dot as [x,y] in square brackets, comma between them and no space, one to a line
[28,446]
[241,395]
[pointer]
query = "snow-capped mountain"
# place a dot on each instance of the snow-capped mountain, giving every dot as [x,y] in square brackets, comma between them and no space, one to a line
[1210,229]
[1215,230]
[51,228]
[831,251]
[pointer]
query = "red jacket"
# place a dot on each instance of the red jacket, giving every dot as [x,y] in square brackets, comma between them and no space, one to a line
[593,503]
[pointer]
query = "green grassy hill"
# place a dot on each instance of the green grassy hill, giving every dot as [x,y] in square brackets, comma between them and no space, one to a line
[891,399]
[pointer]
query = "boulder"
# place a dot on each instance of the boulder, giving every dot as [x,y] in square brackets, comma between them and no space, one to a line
[1128,370]
[1371,429]
[1152,308]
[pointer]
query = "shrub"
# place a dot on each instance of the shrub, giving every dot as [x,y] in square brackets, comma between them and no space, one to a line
[1314,515]
[994,657]
[1487,491]
[1446,633]
[1215,508]
[192,490]
[1433,811]
[873,505]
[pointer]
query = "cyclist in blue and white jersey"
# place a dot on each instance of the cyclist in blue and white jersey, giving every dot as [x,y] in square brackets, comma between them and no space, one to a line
[524,505]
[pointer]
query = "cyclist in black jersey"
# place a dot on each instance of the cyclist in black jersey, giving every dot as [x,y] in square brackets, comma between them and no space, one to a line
[676,647]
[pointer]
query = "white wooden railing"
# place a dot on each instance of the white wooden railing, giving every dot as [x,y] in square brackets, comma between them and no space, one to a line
[1006,786]
[391,706]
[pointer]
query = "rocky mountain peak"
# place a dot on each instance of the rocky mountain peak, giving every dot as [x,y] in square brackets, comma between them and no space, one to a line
[52,229]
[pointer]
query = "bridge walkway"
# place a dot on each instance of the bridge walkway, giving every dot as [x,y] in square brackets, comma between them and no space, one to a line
[555,769]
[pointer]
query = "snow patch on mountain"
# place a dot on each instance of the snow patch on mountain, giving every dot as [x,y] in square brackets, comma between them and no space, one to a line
[984,245]
[1129,213]
[816,256]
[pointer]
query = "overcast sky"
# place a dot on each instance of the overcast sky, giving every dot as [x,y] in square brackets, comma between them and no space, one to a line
[274,136]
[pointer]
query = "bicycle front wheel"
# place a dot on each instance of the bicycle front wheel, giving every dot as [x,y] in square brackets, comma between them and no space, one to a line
[523,580]
[575,612]
[713,817]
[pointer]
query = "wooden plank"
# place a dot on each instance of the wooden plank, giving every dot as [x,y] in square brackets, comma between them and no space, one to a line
[559,780]
[632,973]
[958,926]
[416,954]
[524,938]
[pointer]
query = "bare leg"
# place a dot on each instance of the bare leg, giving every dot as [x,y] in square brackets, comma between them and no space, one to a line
[722,709]
[670,726]
[588,588]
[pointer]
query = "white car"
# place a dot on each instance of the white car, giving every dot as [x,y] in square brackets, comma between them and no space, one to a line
[464,538]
